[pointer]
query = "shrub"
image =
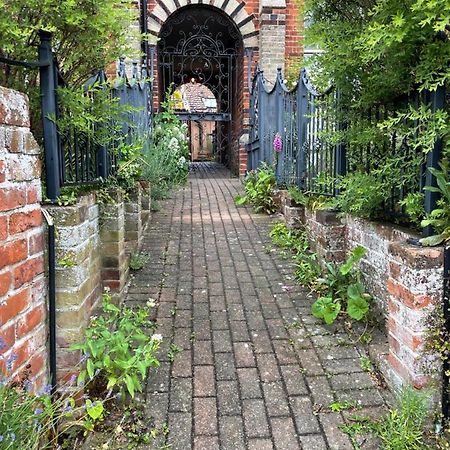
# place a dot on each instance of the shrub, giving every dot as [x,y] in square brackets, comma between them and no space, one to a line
[259,186]
[165,161]
[117,348]
[343,290]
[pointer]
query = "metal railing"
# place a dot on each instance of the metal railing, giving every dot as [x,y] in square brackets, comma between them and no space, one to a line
[311,158]
[73,158]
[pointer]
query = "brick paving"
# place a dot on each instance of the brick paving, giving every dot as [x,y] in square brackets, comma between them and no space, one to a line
[253,369]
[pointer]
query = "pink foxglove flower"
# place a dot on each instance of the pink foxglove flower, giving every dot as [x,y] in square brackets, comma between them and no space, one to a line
[277,143]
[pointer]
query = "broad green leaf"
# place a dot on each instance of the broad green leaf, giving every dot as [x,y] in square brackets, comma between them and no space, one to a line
[355,290]
[130,385]
[432,240]
[240,200]
[94,409]
[357,308]
[356,254]
[324,308]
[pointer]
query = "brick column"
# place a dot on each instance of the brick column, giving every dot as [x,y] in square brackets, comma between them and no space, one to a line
[272,37]
[133,220]
[23,331]
[78,285]
[114,261]
[415,287]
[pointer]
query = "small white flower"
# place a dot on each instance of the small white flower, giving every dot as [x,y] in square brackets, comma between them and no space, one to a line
[157,337]
[151,303]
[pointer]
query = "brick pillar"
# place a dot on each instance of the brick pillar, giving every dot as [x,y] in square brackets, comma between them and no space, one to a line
[146,204]
[415,286]
[114,261]
[23,331]
[327,233]
[78,284]
[272,37]
[133,220]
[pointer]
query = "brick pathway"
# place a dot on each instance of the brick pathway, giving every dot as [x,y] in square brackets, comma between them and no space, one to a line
[255,370]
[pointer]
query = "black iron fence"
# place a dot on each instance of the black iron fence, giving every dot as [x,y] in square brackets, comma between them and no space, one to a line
[309,123]
[72,157]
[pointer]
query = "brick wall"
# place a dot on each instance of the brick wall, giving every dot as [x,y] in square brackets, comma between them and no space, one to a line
[405,281]
[268,27]
[22,284]
[78,283]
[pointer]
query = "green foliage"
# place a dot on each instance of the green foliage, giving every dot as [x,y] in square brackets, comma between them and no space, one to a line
[377,53]
[117,347]
[32,420]
[138,260]
[343,290]
[307,268]
[361,195]
[414,207]
[439,219]
[259,186]
[403,428]
[166,154]
[342,406]
[88,35]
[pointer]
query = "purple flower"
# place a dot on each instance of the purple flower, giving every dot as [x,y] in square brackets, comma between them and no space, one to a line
[277,143]
[47,389]
[38,411]
[10,361]
[1,438]
[2,344]
[85,357]
[72,379]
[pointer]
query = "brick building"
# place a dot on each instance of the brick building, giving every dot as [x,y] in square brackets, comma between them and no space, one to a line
[264,32]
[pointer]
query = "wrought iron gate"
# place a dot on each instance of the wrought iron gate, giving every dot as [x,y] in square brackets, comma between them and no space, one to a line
[199,47]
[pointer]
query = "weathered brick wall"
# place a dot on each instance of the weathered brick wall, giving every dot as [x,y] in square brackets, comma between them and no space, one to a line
[114,259]
[22,285]
[376,238]
[78,283]
[406,282]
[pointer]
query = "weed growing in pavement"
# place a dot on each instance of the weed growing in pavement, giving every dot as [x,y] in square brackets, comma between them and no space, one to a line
[118,348]
[138,260]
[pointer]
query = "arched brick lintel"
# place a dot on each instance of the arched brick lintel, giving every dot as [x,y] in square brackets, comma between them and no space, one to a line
[234,9]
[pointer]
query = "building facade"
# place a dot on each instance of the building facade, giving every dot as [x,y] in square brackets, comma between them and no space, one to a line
[220,43]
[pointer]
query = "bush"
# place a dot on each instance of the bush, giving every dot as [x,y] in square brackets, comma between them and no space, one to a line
[166,155]
[361,194]
[117,348]
[259,186]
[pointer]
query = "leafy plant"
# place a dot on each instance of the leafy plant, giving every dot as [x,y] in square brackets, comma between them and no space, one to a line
[403,428]
[342,406]
[343,290]
[138,260]
[32,419]
[165,161]
[118,349]
[414,207]
[361,194]
[259,186]
[439,219]
[174,349]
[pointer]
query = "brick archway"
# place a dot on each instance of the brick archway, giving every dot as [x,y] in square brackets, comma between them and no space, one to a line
[234,9]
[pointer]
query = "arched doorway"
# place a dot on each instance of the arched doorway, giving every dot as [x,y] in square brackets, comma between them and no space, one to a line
[200,54]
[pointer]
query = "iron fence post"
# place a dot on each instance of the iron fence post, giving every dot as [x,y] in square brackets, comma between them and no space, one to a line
[262,95]
[102,152]
[48,84]
[302,105]
[280,124]
[433,158]
[341,148]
